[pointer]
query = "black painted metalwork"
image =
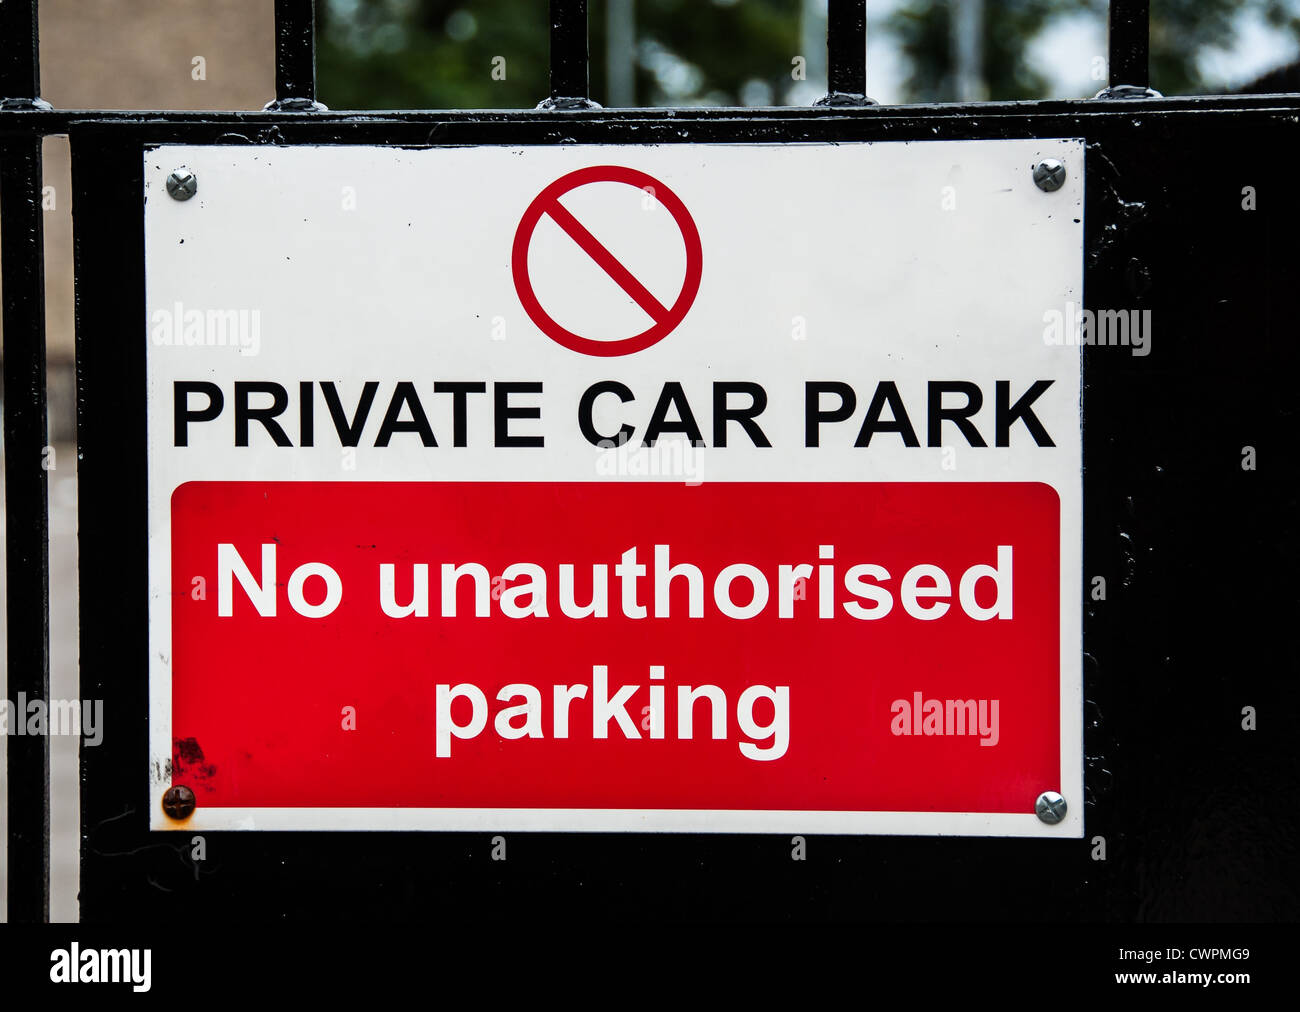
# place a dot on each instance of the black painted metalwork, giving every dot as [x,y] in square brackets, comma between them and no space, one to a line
[295,57]
[1129,50]
[20,68]
[26,521]
[570,58]
[1163,492]
[1160,433]
[22,252]
[846,53]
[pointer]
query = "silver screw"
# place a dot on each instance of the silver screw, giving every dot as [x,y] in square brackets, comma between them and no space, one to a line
[182,184]
[1050,807]
[1049,175]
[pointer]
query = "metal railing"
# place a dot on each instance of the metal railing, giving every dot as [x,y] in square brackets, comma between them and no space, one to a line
[25,120]
[27,562]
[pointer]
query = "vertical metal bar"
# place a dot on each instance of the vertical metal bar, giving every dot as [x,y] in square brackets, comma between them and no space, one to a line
[569,56]
[27,525]
[295,56]
[846,53]
[846,47]
[1130,50]
[20,68]
[1129,42]
[113,535]
[27,566]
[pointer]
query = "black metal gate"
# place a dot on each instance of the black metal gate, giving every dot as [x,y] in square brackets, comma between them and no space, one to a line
[1199,552]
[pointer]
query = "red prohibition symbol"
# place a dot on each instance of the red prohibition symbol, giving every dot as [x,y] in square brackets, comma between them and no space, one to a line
[666,318]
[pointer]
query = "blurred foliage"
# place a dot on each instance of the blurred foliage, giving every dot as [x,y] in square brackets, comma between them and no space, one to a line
[923,32]
[384,54]
[1180,28]
[705,52]
[391,54]
[1180,31]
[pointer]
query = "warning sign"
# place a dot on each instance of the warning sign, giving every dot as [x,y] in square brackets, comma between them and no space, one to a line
[725,488]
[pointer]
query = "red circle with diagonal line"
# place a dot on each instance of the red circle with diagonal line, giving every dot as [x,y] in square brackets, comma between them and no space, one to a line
[666,317]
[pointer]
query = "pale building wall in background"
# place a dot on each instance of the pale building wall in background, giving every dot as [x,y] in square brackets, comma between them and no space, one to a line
[113,54]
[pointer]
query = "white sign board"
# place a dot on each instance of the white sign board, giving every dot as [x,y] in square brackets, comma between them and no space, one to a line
[673,488]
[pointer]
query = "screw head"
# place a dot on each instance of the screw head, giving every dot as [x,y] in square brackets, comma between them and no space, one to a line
[1049,175]
[178,802]
[182,184]
[1050,807]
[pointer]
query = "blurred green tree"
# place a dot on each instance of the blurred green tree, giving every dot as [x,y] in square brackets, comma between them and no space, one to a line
[437,54]
[475,54]
[1180,32]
